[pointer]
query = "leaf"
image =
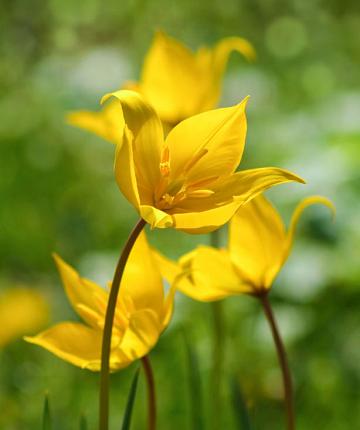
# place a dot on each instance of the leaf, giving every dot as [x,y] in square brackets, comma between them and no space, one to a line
[239,405]
[83,422]
[196,403]
[130,402]
[46,421]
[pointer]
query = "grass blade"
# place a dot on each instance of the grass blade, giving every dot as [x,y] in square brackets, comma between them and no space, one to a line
[46,420]
[239,406]
[83,422]
[130,402]
[196,402]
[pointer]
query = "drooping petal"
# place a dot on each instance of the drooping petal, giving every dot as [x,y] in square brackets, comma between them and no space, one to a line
[209,144]
[256,242]
[156,218]
[82,293]
[73,342]
[142,279]
[146,128]
[313,200]
[22,311]
[108,123]
[170,79]
[143,332]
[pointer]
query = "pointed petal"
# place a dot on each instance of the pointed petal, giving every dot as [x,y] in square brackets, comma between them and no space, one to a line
[309,201]
[108,123]
[256,242]
[226,46]
[143,333]
[72,342]
[170,79]
[146,128]
[81,292]
[208,144]
[22,311]
[142,279]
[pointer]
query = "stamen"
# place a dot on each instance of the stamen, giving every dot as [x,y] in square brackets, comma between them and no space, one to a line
[165,162]
[200,193]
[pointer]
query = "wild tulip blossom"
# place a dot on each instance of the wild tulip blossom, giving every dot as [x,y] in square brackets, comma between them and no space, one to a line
[187,181]
[23,311]
[258,247]
[142,313]
[175,81]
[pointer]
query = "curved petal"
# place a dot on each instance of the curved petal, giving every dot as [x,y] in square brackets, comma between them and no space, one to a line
[210,144]
[142,280]
[313,200]
[156,217]
[146,128]
[212,274]
[82,293]
[170,79]
[125,169]
[256,242]
[143,333]
[72,342]
[22,311]
[108,124]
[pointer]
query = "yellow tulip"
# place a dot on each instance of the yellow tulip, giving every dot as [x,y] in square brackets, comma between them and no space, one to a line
[188,180]
[258,247]
[22,311]
[177,82]
[142,313]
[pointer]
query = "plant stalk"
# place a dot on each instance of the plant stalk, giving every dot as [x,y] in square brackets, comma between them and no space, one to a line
[151,392]
[288,389]
[109,320]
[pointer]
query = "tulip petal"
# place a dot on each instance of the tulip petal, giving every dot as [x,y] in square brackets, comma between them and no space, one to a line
[82,293]
[156,217]
[72,342]
[212,274]
[170,79]
[142,279]
[313,200]
[125,169]
[147,142]
[256,242]
[210,144]
[141,336]
[108,123]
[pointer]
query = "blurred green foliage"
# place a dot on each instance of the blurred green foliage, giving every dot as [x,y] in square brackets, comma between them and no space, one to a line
[58,193]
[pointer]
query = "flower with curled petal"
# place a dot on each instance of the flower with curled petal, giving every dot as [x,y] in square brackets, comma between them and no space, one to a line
[187,181]
[258,247]
[142,313]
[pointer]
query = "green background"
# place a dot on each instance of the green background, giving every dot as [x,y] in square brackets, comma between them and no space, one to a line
[58,193]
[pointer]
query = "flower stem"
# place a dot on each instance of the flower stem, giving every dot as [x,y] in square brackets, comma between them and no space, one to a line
[151,392]
[288,390]
[218,348]
[109,319]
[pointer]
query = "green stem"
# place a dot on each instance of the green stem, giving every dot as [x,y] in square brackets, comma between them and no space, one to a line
[151,392]
[218,348]
[109,319]
[288,390]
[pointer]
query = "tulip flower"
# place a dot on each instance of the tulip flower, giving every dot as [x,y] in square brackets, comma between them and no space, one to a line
[188,180]
[142,313]
[23,311]
[177,82]
[258,247]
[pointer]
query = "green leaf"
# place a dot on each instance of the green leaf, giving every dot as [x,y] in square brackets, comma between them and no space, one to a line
[83,423]
[239,405]
[130,402]
[46,421]
[196,402]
